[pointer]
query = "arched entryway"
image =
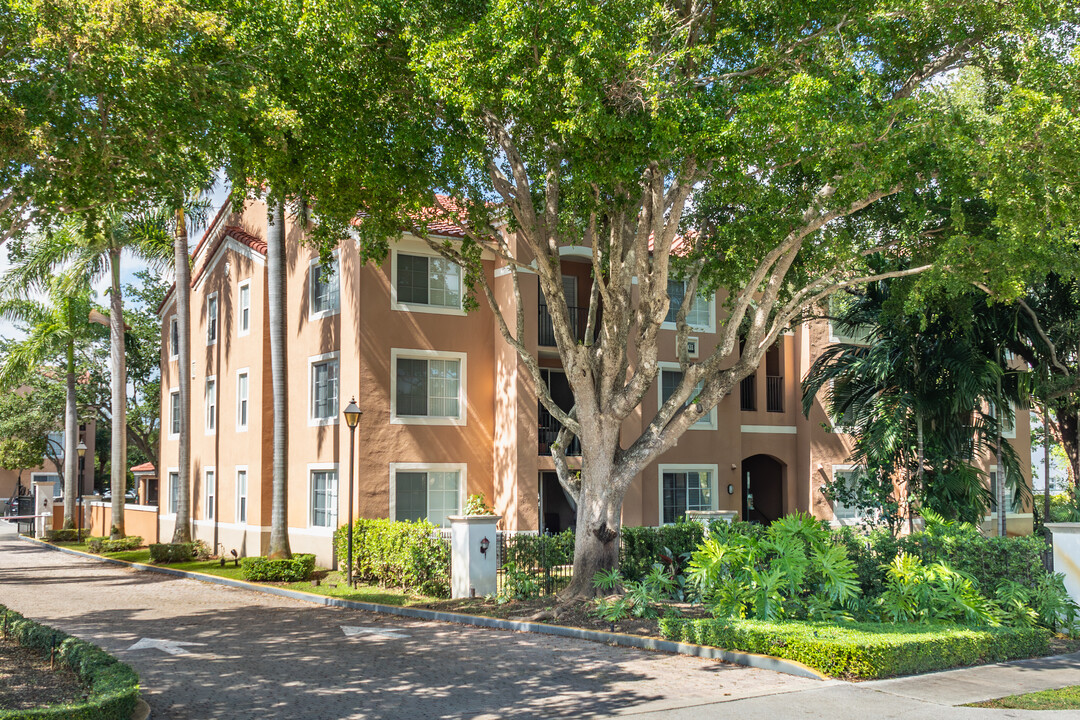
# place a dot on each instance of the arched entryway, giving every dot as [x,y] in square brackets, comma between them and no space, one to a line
[763,489]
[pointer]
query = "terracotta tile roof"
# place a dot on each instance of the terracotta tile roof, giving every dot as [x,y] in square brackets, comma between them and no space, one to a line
[440,219]
[234,232]
[146,467]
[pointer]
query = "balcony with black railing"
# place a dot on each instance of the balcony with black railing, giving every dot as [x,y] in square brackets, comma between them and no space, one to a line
[579,319]
[549,431]
[748,393]
[774,394]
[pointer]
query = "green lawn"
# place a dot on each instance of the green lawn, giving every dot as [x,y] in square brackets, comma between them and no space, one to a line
[1067,698]
[331,583]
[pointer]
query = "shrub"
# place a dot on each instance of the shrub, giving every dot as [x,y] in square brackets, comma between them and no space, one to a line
[408,555]
[65,535]
[669,545]
[164,553]
[98,545]
[114,686]
[540,552]
[295,569]
[792,571]
[863,650]
[477,505]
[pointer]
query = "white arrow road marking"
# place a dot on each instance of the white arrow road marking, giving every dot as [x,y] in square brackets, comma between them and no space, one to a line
[353,630]
[173,647]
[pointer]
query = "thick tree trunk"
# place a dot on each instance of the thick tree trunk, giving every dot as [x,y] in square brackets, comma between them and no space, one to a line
[118,382]
[71,436]
[182,528]
[599,513]
[275,280]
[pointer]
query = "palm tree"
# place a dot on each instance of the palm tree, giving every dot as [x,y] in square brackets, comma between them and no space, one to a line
[932,374]
[83,254]
[275,280]
[54,328]
[182,271]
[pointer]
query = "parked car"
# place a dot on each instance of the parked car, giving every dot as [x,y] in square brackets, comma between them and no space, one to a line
[130,496]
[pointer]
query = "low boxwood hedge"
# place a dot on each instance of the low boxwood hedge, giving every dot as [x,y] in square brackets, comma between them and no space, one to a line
[295,569]
[100,545]
[65,535]
[114,686]
[164,553]
[408,555]
[863,650]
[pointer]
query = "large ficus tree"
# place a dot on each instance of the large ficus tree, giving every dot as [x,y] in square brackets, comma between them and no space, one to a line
[769,150]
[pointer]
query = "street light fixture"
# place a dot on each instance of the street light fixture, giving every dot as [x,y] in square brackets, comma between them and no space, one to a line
[352,419]
[81,449]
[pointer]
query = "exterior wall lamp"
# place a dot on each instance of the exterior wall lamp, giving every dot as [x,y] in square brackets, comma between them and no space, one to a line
[484,545]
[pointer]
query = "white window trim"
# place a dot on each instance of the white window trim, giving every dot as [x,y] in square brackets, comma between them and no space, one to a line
[312,361]
[992,515]
[714,481]
[839,337]
[206,406]
[312,264]
[165,499]
[217,324]
[837,429]
[241,332]
[236,494]
[710,327]
[417,248]
[243,427]
[661,366]
[1008,434]
[207,493]
[172,391]
[860,518]
[461,468]
[311,526]
[174,351]
[462,419]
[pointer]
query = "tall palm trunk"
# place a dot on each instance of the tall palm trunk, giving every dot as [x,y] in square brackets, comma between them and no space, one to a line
[118,368]
[1002,521]
[182,529]
[71,430]
[275,267]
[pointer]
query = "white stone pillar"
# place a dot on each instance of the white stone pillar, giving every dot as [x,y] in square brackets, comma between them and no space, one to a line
[472,563]
[44,492]
[1067,555]
[706,517]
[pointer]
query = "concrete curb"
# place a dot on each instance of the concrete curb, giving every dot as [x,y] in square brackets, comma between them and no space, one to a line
[761,662]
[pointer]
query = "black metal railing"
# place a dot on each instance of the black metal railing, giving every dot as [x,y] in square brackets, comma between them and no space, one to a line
[549,431]
[774,394]
[748,393]
[531,565]
[579,319]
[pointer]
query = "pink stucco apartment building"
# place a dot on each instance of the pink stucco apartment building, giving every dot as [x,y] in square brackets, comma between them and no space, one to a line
[448,408]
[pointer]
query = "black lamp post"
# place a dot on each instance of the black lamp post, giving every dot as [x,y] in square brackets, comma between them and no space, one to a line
[352,418]
[81,449]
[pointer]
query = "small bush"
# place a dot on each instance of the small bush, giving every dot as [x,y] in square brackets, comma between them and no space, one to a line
[99,545]
[165,553]
[407,555]
[863,650]
[669,545]
[114,686]
[65,535]
[295,569]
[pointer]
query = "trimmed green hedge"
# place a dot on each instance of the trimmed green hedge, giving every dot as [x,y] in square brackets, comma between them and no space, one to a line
[408,555]
[66,535]
[165,553]
[98,545]
[642,547]
[114,686]
[863,650]
[295,569]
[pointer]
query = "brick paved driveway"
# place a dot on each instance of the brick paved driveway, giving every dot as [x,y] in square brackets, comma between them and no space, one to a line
[268,657]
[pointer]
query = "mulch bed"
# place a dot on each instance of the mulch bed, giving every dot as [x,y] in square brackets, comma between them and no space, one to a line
[578,615]
[26,682]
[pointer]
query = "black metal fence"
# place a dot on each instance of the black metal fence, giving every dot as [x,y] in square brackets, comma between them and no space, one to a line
[545,333]
[533,565]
